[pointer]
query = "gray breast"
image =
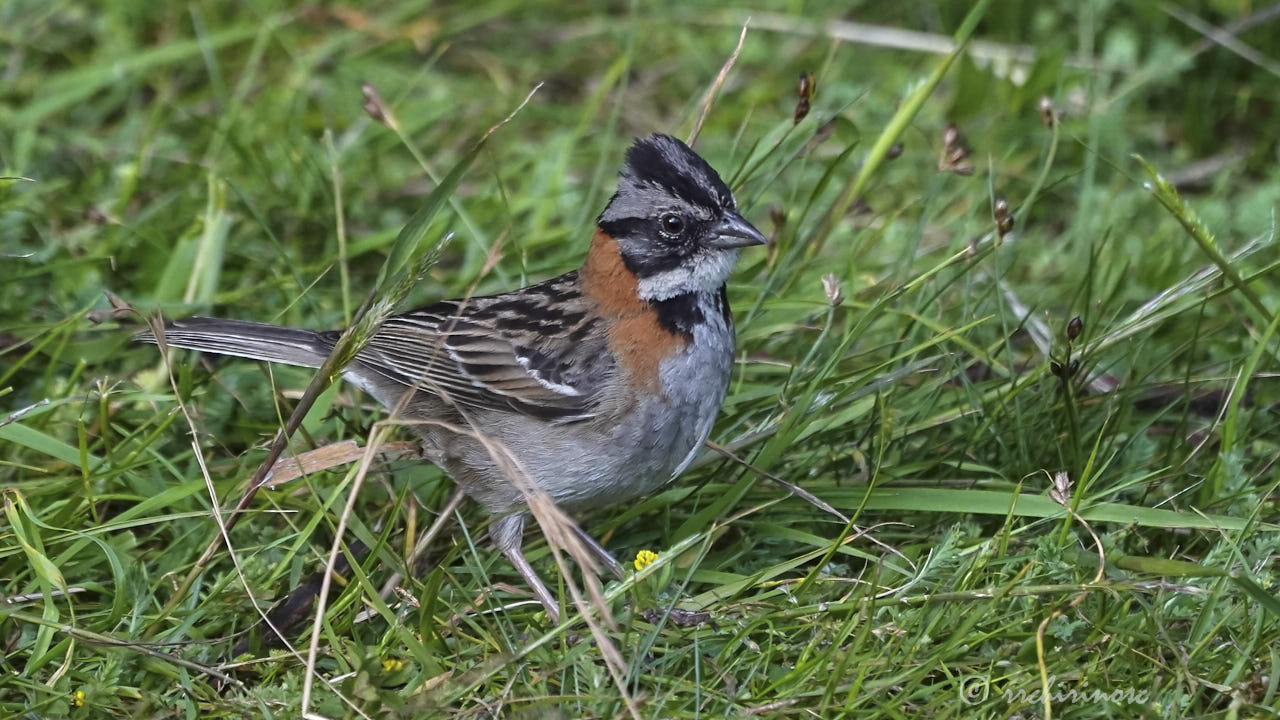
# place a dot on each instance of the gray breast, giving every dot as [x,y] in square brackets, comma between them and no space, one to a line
[697,379]
[668,432]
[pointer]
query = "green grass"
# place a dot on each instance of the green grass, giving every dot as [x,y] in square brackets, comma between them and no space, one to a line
[217,160]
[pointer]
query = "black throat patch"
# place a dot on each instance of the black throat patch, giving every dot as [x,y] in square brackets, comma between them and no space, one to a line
[679,315]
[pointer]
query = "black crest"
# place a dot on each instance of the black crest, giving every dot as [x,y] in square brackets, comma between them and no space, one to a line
[668,163]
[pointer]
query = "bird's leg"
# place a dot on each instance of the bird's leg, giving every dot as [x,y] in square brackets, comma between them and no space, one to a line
[508,533]
[598,550]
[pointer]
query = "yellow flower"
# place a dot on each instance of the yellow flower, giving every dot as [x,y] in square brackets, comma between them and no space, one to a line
[77,700]
[392,664]
[645,558]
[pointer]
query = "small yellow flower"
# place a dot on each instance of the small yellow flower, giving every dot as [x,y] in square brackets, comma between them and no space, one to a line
[392,664]
[645,558]
[77,700]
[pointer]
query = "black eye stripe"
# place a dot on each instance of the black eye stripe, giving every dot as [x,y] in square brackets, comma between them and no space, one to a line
[648,264]
[662,252]
[626,227]
[646,227]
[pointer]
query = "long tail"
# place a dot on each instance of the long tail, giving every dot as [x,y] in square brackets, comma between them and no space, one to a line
[256,341]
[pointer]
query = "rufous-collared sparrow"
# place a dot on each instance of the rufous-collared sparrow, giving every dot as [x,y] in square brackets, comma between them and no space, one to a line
[602,383]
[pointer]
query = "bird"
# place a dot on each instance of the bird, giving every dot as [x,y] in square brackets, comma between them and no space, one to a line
[600,385]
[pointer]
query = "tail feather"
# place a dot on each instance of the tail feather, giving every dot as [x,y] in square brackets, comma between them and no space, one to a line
[241,338]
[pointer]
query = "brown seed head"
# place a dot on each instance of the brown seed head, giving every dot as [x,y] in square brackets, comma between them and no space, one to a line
[804,92]
[831,288]
[375,107]
[955,155]
[1003,218]
[1074,327]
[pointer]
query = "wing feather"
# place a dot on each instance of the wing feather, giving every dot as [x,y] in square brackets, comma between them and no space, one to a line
[511,351]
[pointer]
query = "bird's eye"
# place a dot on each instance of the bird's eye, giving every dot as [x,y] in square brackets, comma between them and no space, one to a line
[672,224]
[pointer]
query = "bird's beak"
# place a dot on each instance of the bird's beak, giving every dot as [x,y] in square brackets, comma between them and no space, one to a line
[734,232]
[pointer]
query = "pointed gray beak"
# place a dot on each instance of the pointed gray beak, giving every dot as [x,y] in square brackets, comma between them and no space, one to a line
[734,232]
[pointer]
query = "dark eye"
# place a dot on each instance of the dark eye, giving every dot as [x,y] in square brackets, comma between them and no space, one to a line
[671,224]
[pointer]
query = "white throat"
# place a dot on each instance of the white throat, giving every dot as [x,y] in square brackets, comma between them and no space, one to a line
[707,273]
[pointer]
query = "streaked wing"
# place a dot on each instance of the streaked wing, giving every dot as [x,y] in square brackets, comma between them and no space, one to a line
[532,351]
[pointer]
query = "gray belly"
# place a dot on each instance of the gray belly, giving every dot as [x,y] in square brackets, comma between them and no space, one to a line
[598,462]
